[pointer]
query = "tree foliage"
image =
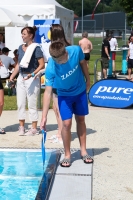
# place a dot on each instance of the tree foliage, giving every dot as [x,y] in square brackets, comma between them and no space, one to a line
[88,6]
[104,6]
[128,8]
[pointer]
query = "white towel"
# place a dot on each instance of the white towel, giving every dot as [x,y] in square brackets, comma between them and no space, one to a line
[27,56]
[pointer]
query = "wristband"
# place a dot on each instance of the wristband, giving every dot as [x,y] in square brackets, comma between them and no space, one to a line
[32,74]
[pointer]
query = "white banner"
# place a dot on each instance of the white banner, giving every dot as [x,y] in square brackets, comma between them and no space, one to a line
[13,38]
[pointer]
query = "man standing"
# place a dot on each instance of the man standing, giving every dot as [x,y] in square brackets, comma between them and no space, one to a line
[86,46]
[130,58]
[67,70]
[7,62]
[113,45]
[105,55]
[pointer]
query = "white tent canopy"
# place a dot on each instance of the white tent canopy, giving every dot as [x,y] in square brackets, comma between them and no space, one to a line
[8,18]
[28,10]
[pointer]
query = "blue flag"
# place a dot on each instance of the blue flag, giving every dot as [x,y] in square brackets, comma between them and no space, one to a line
[43,146]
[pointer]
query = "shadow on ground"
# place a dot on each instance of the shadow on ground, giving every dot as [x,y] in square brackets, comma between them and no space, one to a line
[92,152]
[14,127]
[98,151]
[51,127]
[88,131]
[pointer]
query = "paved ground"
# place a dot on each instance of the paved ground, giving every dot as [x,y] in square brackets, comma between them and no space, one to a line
[109,135]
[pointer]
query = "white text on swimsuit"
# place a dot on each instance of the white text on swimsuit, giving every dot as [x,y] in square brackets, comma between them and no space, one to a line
[69,73]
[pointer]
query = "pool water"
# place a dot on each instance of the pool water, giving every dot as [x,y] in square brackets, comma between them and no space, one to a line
[21,174]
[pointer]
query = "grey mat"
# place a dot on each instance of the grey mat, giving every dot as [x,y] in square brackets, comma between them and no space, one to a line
[71,188]
[74,182]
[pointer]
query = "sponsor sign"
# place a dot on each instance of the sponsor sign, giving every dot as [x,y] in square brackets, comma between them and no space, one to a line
[112,93]
[43,37]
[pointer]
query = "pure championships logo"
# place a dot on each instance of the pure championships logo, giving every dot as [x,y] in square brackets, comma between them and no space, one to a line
[112,93]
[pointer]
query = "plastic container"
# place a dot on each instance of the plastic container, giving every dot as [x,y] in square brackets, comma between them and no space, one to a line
[117,47]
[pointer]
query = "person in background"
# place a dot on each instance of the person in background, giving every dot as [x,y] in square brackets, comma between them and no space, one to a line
[0,51]
[113,45]
[11,69]
[7,63]
[28,87]
[130,58]
[1,98]
[86,46]
[2,44]
[105,55]
[129,39]
[68,69]
[15,58]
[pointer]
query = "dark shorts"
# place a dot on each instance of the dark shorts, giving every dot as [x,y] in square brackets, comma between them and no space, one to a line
[1,86]
[105,63]
[54,90]
[87,56]
[130,63]
[69,105]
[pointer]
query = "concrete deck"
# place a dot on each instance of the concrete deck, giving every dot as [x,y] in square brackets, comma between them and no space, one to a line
[109,137]
[74,182]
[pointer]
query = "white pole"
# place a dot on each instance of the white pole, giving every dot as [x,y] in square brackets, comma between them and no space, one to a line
[82,16]
[125,27]
[103,19]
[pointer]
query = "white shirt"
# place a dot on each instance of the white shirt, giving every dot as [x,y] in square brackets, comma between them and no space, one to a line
[113,43]
[2,45]
[131,50]
[7,61]
[45,50]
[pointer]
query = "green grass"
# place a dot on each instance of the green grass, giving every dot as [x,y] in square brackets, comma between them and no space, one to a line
[10,102]
[95,54]
[97,42]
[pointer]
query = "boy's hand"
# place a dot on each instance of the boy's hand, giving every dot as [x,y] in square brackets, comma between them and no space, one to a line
[43,124]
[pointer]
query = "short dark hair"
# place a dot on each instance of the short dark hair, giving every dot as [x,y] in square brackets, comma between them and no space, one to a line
[15,51]
[5,50]
[57,49]
[85,34]
[109,35]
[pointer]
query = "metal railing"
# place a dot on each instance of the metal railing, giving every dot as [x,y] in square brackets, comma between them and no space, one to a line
[95,70]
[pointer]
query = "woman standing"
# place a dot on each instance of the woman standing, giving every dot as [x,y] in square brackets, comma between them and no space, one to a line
[27,86]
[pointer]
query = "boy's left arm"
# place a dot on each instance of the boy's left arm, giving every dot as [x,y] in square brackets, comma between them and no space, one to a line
[86,73]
